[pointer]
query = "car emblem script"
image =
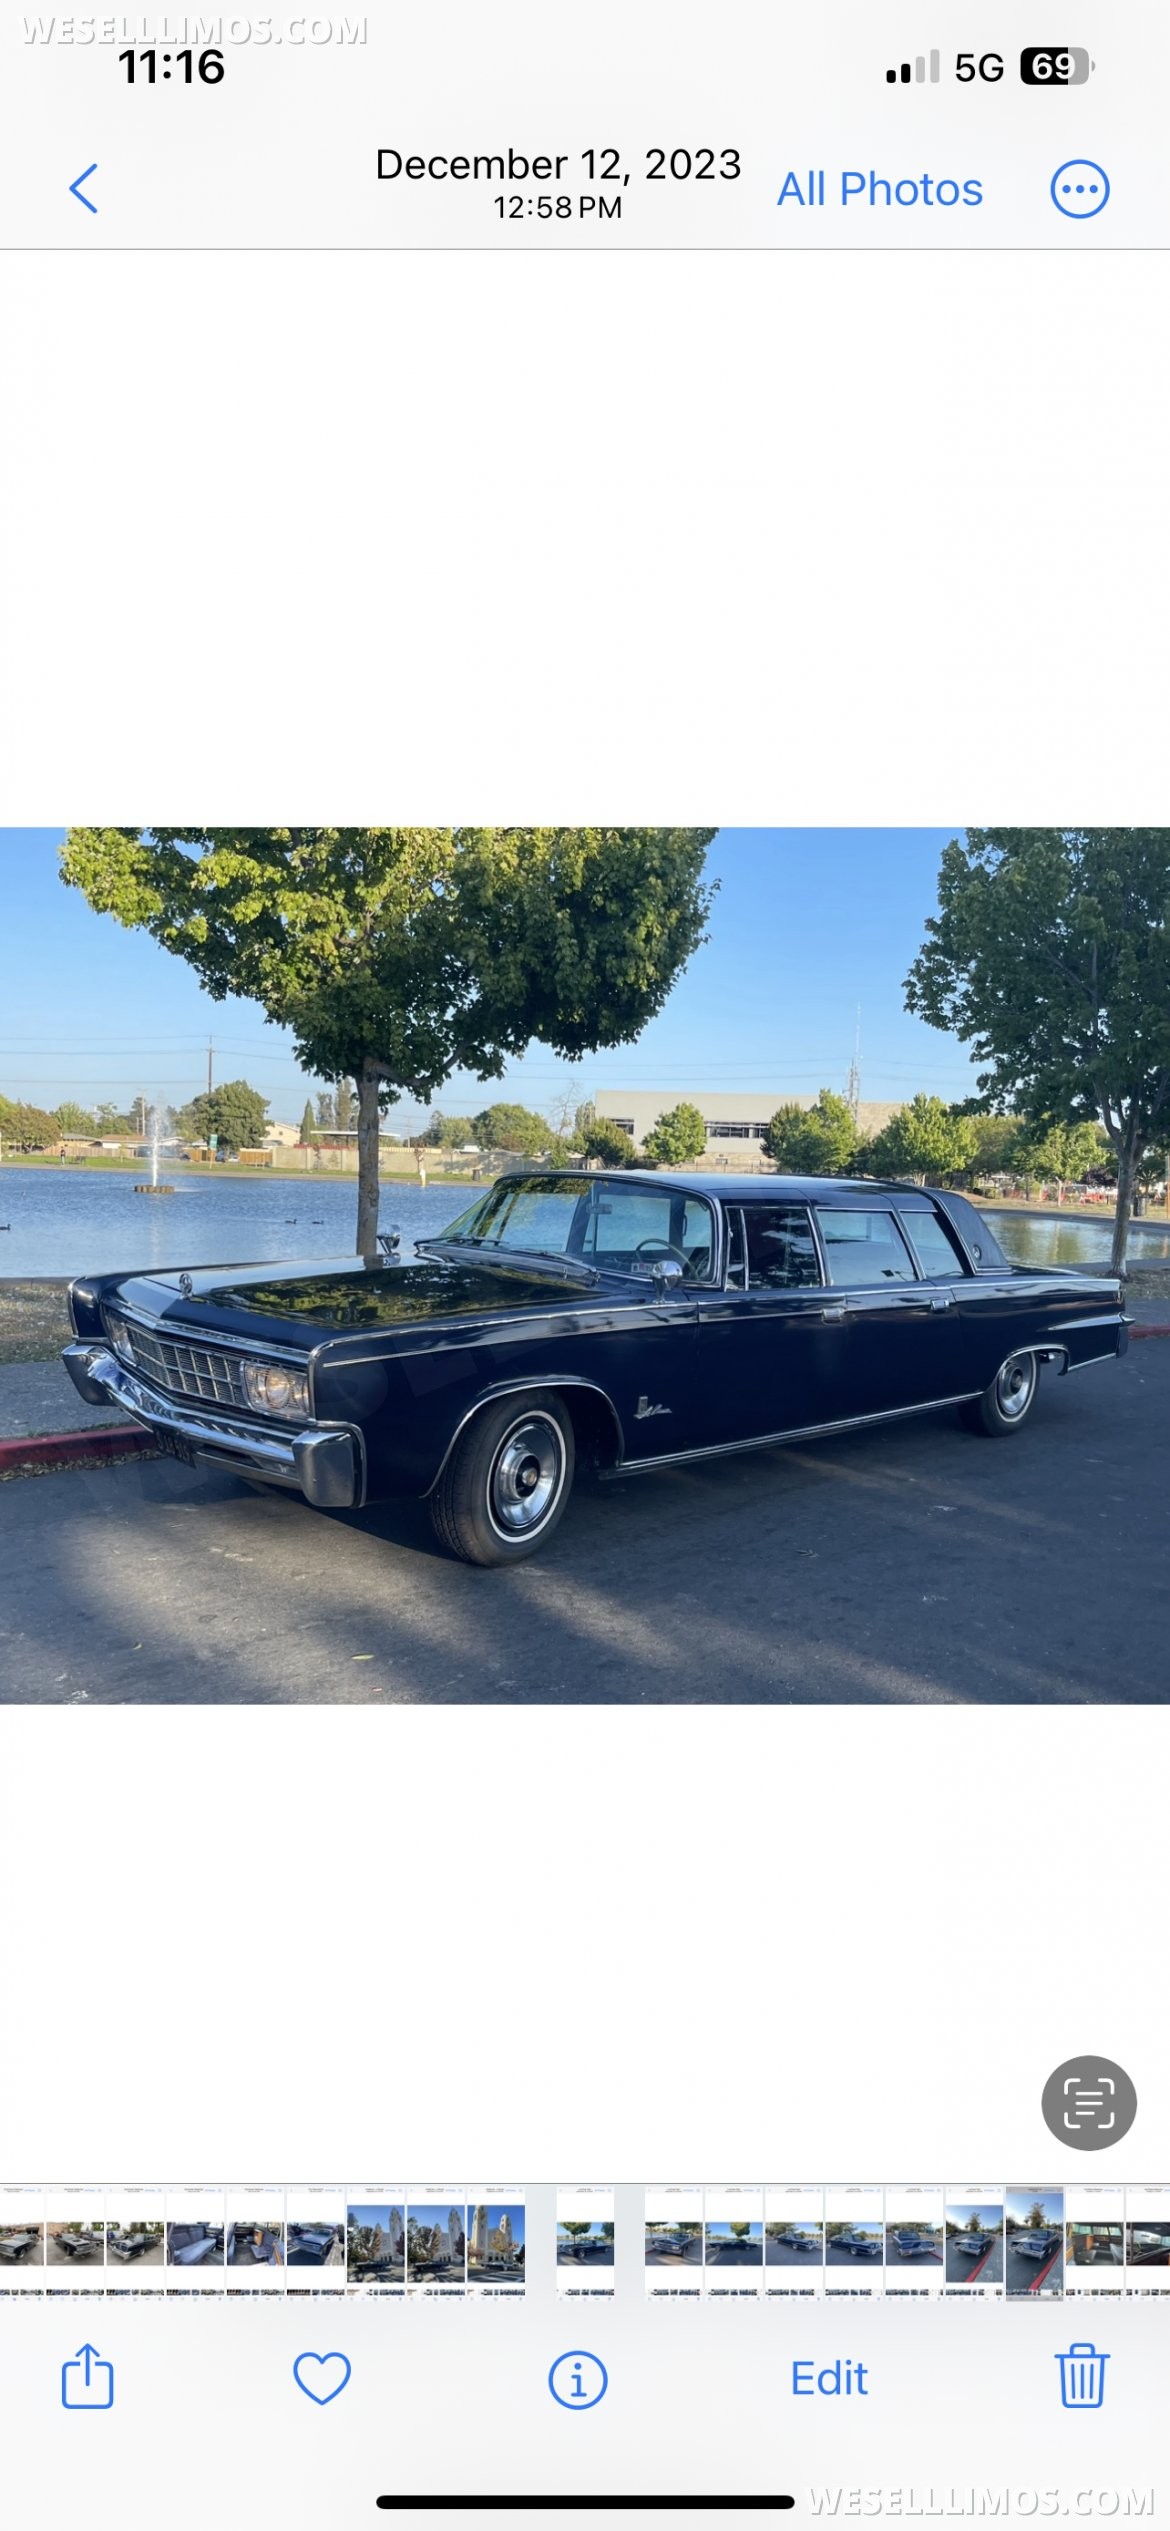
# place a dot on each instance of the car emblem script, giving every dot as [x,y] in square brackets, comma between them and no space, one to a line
[644,1408]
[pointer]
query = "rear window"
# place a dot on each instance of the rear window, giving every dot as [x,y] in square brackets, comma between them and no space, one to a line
[864,1249]
[935,1247]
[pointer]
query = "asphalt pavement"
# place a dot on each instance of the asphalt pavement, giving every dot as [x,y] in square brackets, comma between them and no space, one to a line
[911,1563]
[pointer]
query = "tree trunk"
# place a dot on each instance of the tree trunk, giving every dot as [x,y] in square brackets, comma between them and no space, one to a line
[369,1117]
[1126,1176]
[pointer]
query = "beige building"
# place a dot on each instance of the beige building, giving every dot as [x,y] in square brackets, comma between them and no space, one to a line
[736,1121]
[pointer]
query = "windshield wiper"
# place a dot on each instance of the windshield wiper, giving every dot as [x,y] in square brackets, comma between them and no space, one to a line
[493,1253]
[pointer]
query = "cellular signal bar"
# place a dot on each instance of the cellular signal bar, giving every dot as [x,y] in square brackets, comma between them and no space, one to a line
[906,71]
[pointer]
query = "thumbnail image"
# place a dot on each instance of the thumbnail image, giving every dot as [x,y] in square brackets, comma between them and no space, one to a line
[853,2244]
[195,2245]
[22,2245]
[134,2245]
[794,2245]
[316,2245]
[1147,2244]
[585,2244]
[436,2249]
[1034,2241]
[674,2245]
[974,2247]
[375,2245]
[495,2245]
[75,2245]
[735,2245]
[255,2243]
[1096,2245]
[918,2245]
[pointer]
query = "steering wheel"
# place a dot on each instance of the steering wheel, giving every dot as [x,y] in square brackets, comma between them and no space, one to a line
[663,1248]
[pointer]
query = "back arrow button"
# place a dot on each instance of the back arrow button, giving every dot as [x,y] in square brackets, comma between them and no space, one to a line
[79,181]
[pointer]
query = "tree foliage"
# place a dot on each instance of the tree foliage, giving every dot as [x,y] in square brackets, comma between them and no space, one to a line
[814,1142]
[509,1127]
[1050,956]
[235,1113]
[308,1124]
[398,955]
[609,1143]
[1059,1151]
[676,1138]
[926,1139]
[72,1119]
[27,1128]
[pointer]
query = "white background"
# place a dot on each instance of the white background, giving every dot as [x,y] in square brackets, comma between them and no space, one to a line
[835,539]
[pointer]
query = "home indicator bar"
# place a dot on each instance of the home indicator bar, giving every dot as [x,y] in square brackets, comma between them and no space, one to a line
[586,2504]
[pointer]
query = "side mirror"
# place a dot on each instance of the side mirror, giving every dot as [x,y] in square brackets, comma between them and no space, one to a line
[667,1275]
[389,1241]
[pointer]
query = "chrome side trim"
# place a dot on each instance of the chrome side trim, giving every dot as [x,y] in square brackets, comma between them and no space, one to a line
[799,1432]
[519,1388]
[1116,1318]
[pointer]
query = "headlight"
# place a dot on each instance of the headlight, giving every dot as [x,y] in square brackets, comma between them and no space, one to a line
[275,1391]
[121,1340]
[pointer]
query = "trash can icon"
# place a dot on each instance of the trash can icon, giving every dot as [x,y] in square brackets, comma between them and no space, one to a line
[1082,2376]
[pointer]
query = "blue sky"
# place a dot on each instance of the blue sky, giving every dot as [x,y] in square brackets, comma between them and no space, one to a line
[808,924]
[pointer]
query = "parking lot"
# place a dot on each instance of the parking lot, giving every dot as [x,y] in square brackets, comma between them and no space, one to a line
[962,2269]
[909,1563]
[1034,2276]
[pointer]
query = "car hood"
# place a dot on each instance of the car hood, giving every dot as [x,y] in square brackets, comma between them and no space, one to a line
[327,1297]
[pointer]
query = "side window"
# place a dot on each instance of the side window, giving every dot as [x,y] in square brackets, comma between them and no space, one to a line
[781,1250]
[932,1243]
[864,1249]
[736,1252]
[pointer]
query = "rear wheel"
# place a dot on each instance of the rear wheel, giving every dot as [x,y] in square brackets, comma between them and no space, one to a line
[1007,1401]
[507,1481]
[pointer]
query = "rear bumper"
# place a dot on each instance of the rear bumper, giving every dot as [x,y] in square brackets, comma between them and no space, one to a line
[325,1463]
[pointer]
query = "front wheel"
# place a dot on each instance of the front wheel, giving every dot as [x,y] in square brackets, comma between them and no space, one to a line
[507,1481]
[1007,1401]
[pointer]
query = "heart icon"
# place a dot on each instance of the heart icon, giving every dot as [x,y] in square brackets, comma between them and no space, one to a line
[322,2377]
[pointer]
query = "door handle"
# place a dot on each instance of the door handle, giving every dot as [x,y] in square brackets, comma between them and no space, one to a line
[835,1309]
[942,1300]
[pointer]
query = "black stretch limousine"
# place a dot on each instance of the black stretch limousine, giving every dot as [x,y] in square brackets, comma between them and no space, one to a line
[636,1322]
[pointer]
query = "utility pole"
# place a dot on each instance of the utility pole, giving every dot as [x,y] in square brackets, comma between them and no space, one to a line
[210,1153]
[853,1092]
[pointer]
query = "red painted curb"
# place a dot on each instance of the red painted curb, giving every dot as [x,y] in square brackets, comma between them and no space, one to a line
[1136,1333]
[55,1449]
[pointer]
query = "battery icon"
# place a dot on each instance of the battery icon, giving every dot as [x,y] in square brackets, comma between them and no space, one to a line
[1055,66]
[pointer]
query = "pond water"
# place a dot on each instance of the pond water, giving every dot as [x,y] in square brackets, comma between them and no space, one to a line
[1080,1239]
[75,1221]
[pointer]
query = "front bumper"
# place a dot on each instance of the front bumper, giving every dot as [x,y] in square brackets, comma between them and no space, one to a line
[324,1462]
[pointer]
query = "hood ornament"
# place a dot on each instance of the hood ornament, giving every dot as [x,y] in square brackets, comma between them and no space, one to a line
[186,1286]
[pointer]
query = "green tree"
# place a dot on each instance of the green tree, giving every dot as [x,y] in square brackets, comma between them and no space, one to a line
[308,1123]
[1058,1151]
[73,1119]
[576,2229]
[678,1137]
[926,1139]
[1050,955]
[739,2231]
[609,1143]
[995,1138]
[398,955]
[235,1113]
[509,1127]
[817,1142]
[26,1128]
[450,1132]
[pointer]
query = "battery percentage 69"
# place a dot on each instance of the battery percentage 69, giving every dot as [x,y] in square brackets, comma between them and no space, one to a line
[1055,66]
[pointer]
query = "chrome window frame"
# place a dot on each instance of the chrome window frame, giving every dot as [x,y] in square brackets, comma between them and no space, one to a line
[787,1204]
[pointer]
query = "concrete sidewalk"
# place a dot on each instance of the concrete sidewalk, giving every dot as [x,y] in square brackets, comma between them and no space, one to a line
[39,1397]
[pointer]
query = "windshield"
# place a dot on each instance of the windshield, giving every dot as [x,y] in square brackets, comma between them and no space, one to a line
[621,1228]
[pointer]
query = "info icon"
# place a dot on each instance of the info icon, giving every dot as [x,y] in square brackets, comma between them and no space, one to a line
[578,2379]
[1090,2103]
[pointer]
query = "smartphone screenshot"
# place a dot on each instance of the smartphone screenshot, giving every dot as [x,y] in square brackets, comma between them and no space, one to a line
[584,1264]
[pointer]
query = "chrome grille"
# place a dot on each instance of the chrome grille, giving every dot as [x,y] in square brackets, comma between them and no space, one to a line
[186,1370]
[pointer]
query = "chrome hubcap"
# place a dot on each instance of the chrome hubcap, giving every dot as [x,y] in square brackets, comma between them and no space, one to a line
[1013,1389]
[526,1476]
